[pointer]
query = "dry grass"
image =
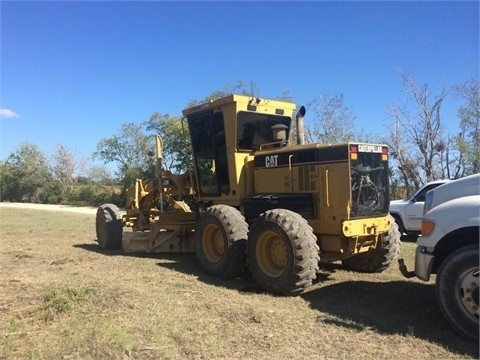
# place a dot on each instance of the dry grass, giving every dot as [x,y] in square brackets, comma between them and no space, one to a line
[61,297]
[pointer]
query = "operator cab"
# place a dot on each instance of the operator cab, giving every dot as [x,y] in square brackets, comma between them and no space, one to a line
[226,132]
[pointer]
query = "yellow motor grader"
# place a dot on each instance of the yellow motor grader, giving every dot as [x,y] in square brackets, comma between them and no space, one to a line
[252,200]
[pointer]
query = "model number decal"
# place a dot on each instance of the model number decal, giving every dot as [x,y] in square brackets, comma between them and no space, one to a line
[369,148]
[271,161]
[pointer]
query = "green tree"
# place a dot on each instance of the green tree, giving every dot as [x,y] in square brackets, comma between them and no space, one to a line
[176,141]
[27,177]
[130,150]
[8,187]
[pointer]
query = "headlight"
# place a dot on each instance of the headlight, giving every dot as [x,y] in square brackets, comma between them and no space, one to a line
[428,202]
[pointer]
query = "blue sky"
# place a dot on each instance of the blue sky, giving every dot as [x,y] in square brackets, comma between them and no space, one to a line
[73,72]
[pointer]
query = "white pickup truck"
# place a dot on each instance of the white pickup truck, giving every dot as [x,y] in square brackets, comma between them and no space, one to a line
[449,248]
[408,212]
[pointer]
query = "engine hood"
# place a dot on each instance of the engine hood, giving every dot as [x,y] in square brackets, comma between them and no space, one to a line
[398,204]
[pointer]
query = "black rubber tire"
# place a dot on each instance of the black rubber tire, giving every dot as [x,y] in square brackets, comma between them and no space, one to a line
[380,258]
[109,227]
[282,252]
[220,241]
[457,287]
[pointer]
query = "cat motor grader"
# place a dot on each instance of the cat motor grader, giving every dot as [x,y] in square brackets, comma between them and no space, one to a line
[254,201]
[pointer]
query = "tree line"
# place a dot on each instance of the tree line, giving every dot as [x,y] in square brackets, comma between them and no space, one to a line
[422,149]
[28,175]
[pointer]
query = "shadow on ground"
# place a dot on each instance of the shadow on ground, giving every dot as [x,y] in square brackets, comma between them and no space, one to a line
[406,307]
[398,307]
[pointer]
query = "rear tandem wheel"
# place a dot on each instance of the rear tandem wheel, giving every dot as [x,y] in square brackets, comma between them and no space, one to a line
[282,252]
[380,258]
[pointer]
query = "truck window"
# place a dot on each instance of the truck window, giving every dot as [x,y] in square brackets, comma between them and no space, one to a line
[421,195]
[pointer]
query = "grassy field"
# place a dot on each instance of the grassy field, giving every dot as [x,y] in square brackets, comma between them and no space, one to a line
[61,297]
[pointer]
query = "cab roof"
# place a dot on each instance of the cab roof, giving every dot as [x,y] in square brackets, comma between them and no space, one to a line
[247,103]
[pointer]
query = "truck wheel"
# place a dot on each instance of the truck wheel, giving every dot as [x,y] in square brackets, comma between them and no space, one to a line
[220,241]
[282,252]
[109,227]
[457,290]
[380,258]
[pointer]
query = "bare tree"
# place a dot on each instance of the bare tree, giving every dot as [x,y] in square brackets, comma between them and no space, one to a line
[66,167]
[332,120]
[240,87]
[419,149]
[407,161]
[468,140]
[100,174]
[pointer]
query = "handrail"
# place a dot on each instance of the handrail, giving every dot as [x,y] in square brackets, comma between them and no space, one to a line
[327,188]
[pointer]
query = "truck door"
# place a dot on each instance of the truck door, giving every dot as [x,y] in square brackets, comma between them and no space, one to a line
[414,209]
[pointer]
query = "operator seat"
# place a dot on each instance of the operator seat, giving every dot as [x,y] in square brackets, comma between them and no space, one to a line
[246,142]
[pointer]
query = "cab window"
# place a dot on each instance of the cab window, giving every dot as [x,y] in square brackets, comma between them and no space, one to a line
[210,153]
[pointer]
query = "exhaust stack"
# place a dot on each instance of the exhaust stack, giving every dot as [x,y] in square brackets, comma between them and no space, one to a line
[300,127]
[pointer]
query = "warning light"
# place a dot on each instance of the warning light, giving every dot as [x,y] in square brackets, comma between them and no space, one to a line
[384,153]
[353,152]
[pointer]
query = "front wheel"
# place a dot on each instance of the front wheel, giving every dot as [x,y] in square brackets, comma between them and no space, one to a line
[457,290]
[282,251]
[109,227]
[220,241]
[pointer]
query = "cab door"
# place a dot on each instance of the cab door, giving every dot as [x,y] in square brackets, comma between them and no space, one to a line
[207,133]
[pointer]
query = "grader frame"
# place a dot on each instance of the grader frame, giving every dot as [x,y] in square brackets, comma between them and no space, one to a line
[253,200]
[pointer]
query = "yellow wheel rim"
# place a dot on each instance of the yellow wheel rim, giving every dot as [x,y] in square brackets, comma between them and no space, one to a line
[272,255]
[213,243]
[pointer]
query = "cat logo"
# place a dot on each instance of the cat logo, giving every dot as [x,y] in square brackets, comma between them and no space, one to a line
[271,161]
